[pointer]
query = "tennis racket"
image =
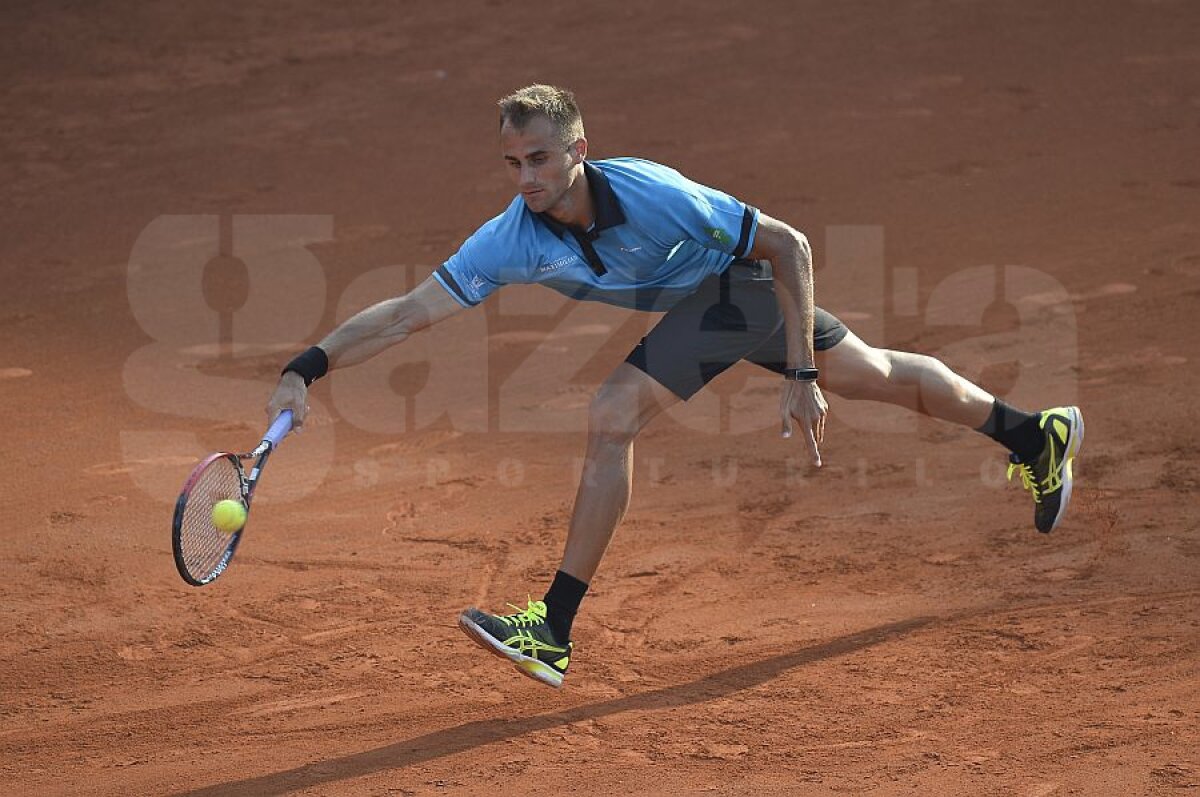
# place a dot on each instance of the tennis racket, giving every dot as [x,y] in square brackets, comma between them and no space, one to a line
[202,551]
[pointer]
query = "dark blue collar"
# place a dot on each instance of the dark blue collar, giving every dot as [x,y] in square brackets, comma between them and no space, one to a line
[604,201]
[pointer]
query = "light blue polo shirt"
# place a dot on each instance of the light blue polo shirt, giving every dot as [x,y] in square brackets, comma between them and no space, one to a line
[657,236]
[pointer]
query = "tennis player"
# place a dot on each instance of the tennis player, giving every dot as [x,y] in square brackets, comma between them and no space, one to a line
[735,283]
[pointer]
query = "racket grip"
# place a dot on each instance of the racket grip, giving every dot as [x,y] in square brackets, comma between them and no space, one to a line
[279,428]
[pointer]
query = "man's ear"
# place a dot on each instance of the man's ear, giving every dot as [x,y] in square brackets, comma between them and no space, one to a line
[579,150]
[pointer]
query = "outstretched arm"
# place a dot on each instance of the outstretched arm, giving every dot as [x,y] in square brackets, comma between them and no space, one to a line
[382,325]
[364,335]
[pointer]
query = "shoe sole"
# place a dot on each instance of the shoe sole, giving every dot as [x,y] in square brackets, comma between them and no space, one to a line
[526,665]
[1073,446]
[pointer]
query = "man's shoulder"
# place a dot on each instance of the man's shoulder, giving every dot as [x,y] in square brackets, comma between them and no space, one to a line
[646,179]
[638,169]
[505,245]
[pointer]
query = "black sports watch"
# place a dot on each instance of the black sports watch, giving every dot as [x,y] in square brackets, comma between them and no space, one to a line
[800,374]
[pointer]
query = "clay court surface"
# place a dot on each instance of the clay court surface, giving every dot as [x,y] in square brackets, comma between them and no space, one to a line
[1014,187]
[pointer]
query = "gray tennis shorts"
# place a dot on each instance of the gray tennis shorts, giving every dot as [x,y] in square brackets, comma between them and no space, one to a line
[731,316]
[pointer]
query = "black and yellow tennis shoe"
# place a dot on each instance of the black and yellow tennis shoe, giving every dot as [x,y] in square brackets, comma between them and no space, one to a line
[523,638]
[1049,477]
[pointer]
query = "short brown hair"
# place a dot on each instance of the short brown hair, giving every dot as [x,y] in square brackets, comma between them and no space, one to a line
[554,103]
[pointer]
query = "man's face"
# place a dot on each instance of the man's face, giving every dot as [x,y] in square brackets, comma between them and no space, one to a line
[540,166]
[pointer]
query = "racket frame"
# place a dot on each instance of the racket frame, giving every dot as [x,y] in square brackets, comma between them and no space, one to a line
[247,485]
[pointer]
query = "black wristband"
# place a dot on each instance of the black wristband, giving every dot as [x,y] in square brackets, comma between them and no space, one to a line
[800,374]
[311,365]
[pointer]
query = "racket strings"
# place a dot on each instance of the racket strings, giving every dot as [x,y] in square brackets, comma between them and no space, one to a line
[202,544]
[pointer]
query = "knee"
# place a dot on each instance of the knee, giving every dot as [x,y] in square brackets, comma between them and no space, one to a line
[612,420]
[874,375]
[901,373]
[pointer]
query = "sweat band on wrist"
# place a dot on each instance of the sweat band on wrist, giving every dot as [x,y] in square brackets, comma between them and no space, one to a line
[311,365]
[800,374]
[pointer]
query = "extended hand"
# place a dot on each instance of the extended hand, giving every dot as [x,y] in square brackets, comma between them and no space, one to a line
[804,402]
[290,394]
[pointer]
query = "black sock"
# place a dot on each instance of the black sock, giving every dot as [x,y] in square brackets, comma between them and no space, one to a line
[562,601]
[1015,430]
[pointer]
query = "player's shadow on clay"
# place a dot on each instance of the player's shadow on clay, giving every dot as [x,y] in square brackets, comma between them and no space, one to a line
[479,733]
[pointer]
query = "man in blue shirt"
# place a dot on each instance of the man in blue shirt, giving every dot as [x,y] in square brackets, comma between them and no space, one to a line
[645,250]
[735,284]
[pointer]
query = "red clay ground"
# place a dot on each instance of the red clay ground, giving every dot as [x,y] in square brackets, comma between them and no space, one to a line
[890,625]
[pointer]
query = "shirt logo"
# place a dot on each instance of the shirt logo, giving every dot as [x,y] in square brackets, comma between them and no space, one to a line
[555,265]
[720,236]
[631,249]
[476,283]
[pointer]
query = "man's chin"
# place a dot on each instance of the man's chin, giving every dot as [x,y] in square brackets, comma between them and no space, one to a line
[536,203]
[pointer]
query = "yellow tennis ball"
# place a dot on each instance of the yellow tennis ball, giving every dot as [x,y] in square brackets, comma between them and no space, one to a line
[229,515]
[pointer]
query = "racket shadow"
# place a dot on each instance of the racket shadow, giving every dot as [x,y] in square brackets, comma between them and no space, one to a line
[480,733]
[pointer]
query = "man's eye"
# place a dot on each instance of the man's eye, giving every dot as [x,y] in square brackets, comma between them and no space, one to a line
[538,161]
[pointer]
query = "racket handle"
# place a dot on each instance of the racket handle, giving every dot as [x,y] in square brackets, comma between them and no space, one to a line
[279,428]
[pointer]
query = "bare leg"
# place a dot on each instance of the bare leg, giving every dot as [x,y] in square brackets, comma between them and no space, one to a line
[624,404]
[854,370]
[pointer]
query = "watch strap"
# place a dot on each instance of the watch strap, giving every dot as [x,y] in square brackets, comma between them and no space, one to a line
[800,374]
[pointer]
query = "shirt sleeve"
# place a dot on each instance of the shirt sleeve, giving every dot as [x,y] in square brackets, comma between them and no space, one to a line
[714,219]
[478,267]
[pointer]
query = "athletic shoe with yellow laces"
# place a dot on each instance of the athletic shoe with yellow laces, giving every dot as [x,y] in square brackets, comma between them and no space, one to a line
[1049,476]
[523,638]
